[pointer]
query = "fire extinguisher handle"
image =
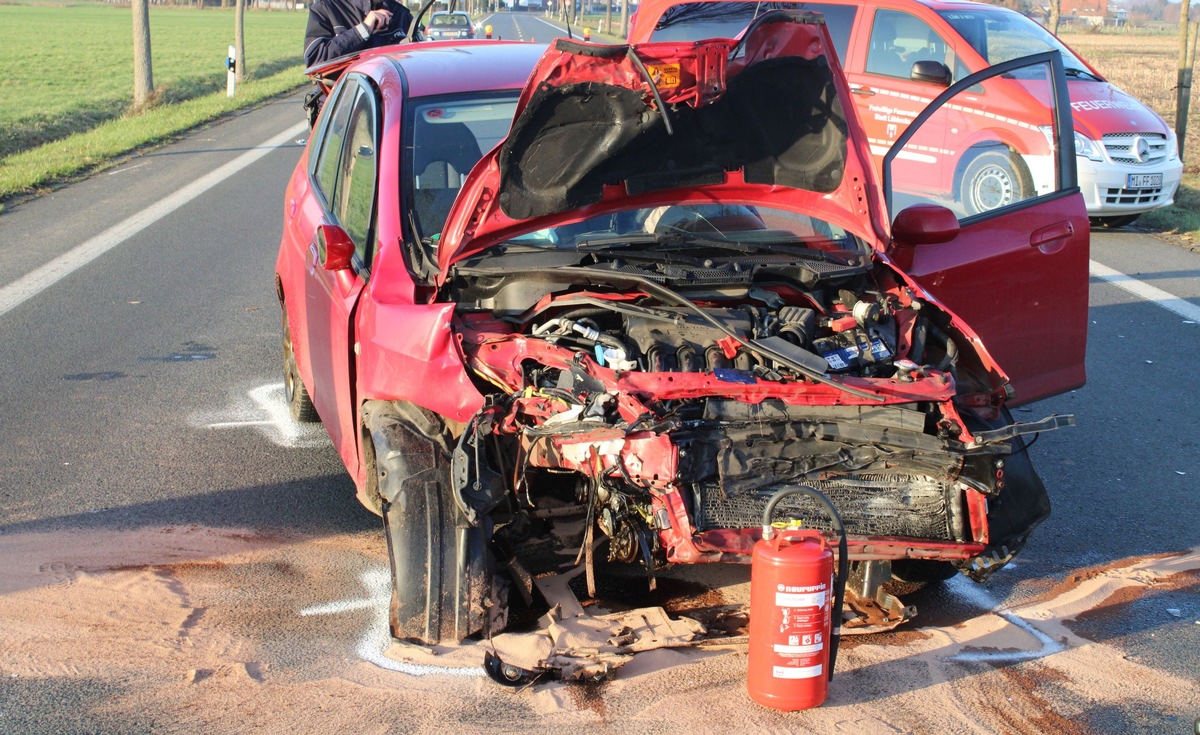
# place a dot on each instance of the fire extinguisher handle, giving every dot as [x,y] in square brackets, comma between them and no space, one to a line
[839,587]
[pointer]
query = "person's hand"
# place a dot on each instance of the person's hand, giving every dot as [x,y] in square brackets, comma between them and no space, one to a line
[377,19]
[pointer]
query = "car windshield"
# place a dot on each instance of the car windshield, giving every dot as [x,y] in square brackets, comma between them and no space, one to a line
[448,136]
[725,228]
[694,21]
[1003,35]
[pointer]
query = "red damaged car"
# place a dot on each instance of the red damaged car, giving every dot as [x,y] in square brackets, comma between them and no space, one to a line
[672,288]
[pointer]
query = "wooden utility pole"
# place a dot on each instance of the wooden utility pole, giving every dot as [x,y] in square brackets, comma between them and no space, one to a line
[143,72]
[1188,33]
[239,41]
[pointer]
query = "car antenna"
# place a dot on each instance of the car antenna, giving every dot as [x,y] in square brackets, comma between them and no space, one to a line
[412,27]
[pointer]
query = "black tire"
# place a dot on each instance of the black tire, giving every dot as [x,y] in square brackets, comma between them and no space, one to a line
[922,571]
[1115,221]
[300,406]
[993,179]
[444,584]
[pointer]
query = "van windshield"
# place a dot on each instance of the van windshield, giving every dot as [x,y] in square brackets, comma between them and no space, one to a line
[1001,35]
[697,21]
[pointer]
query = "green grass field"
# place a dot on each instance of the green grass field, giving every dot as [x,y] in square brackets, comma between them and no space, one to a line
[69,75]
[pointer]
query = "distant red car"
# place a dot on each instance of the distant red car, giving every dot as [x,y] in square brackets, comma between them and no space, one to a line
[670,290]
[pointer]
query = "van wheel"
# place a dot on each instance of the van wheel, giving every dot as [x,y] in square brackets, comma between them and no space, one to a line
[993,180]
[444,584]
[300,406]
[1116,221]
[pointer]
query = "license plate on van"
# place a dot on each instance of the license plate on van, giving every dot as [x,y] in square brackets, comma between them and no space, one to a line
[1143,181]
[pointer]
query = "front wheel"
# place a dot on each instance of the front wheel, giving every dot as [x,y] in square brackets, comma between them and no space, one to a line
[992,180]
[300,406]
[444,584]
[909,575]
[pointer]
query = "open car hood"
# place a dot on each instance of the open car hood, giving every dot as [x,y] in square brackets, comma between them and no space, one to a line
[762,120]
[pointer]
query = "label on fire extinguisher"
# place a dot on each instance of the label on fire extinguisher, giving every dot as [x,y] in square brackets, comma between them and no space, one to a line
[799,644]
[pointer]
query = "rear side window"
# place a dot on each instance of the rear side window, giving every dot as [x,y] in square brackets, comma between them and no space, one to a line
[345,171]
[357,176]
[329,150]
[697,21]
[449,19]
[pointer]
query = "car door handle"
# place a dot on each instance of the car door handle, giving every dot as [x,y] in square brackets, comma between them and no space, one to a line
[862,91]
[1051,239]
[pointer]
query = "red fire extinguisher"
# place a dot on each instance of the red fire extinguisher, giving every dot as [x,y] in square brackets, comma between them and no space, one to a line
[793,641]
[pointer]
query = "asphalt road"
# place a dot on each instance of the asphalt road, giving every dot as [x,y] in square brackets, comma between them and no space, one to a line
[528,27]
[136,392]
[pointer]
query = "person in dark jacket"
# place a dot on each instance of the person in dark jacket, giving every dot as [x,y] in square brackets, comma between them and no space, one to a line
[340,27]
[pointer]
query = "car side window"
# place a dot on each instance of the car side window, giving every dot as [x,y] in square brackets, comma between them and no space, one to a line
[982,153]
[325,170]
[356,176]
[899,40]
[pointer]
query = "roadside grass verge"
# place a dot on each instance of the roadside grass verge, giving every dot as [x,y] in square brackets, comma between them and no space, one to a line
[68,81]
[1145,65]
[25,171]
[1182,219]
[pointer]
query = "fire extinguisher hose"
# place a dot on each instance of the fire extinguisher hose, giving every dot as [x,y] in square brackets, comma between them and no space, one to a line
[839,586]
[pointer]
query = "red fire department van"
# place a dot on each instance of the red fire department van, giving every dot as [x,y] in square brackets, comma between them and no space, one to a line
[992,150]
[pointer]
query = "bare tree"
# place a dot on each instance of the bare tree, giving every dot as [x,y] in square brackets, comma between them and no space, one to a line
[239,41]
[1055,12]
[1188,32]
[143,73]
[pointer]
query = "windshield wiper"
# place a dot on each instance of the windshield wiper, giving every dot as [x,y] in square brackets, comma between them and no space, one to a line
[1072,71]
[676,239]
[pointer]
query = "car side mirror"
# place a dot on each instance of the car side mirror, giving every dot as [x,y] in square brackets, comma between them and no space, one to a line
[933,72]
[924,224]
[334,248]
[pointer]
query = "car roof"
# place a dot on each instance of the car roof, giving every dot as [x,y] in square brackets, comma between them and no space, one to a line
[932,4]
[957,4]
[454,67]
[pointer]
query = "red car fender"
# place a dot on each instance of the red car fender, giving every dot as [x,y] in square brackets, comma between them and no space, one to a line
[420,362]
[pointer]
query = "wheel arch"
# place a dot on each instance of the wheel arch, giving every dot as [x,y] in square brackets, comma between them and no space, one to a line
[990,146]
[1017,161]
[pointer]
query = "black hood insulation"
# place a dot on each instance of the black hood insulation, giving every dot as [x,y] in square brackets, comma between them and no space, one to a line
[780,121]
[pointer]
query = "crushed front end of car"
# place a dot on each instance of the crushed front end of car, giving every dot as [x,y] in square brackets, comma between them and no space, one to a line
[671,292]
[664,410]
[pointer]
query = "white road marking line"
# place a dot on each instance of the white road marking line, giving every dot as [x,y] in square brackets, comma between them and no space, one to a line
[126,168]
[560,29]
[42,278]
[278,426]
[376,639]
[979,596]
[1143,290]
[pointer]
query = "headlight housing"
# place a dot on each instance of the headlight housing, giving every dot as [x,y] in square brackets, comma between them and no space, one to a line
[1088,148]
[1084,146]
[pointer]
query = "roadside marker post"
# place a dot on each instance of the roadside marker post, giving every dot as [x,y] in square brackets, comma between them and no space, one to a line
[231,72]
